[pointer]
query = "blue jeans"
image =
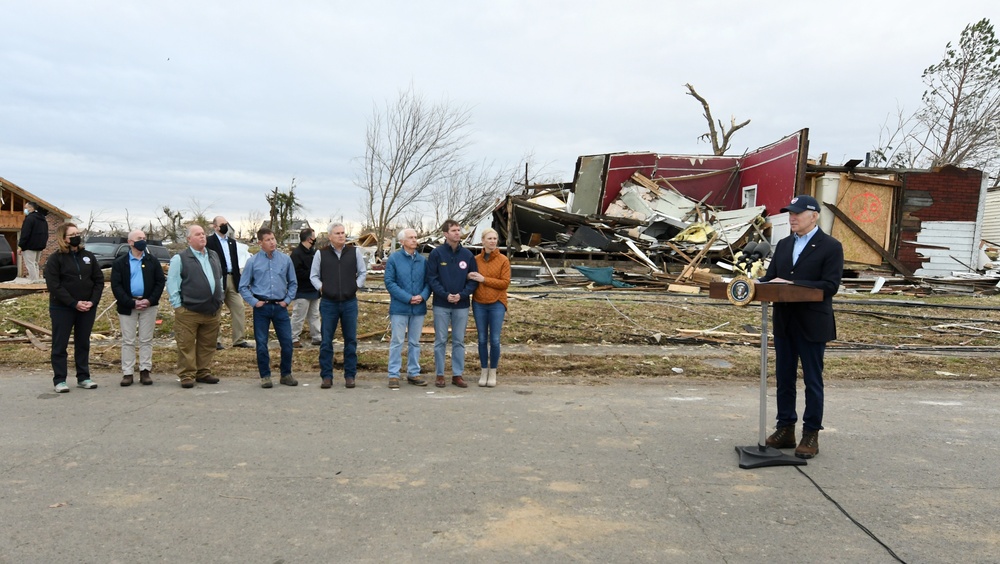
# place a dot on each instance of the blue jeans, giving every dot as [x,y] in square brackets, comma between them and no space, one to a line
[787,353]
[346,313]
[263,317]
[489,322]
[458,319]
[408,328]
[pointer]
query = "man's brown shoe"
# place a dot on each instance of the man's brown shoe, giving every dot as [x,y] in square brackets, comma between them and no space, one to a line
[458,381]
[127,380]
[416,380]
[144,378]
[187,382]
[207,380]
[296,344]
[348,382]
[782,437]
[439,381]
[327,383]
[809,446]
[394,383]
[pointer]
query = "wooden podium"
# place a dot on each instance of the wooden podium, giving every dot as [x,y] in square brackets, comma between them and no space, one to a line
[761,455]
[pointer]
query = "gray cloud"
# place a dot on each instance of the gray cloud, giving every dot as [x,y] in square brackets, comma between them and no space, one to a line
[110,106]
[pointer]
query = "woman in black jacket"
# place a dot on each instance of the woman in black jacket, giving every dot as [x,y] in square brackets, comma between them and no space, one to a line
[75,283]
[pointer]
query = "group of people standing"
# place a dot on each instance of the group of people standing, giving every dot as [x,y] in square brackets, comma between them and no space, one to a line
[455,278]
[322,284]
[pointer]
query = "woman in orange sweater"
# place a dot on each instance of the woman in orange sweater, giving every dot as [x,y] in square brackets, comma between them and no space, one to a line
[489,304]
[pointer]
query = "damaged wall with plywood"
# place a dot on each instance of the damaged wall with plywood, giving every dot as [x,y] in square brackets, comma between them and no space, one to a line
[868,202]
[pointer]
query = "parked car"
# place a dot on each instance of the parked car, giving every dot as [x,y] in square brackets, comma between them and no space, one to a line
[107,252]
[8,261]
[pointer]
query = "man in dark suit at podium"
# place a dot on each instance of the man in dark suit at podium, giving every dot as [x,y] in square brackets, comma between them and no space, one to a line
[807,257]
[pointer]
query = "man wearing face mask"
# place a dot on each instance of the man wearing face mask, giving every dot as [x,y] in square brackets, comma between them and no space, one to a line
[75,283]
[224,245]
[137,281]
[306,304]
[34,237]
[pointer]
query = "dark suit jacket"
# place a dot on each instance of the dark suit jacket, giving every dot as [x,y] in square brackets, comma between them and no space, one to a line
[153,282]
[216,245]
[821,265]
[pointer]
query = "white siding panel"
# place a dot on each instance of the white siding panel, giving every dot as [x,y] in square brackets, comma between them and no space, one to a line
[991,217]
[957,236]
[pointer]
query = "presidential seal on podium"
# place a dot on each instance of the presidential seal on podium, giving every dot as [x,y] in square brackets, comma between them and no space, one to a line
[740,291]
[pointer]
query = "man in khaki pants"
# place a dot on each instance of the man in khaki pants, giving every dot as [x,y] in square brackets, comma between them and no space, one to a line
[222,242]
[194,284]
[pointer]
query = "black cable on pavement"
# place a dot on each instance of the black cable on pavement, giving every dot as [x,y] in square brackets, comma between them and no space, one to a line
[848,515]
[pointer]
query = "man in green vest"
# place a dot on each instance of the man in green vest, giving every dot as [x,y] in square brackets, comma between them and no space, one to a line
[194,284]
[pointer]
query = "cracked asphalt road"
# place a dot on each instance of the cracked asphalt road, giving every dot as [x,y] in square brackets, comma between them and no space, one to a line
[635,471]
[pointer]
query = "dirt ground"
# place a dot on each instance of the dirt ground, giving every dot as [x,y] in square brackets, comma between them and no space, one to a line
[596,337]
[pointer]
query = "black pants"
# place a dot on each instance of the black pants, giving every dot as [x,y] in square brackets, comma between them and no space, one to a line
[64,321]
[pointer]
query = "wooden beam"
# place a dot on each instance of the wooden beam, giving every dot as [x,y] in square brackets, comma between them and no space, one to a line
[32,326]
[35,341]
[900,267]
[697,258]
[875,180]
[679,252]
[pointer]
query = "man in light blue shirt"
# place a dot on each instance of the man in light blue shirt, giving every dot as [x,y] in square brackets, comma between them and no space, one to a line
[268,283]
[137,281]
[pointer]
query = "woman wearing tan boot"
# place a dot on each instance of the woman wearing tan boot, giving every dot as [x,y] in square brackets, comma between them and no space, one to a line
[489,304]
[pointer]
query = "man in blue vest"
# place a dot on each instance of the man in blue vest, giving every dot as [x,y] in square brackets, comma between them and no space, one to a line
[338,271]
[194,285]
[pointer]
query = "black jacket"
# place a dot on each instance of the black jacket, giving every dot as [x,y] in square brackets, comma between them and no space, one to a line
[302,259]
[216,245]
[153,281]
[34,232]
[821,265]
[73,277]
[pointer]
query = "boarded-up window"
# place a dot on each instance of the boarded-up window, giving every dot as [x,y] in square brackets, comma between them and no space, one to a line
[870,207]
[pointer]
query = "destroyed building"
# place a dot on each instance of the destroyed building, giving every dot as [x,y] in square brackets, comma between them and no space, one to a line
[659,218]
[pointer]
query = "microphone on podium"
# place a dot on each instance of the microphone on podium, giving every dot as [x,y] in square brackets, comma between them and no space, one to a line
[750,260]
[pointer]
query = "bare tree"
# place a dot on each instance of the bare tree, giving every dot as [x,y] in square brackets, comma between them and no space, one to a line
[92,219]
[892,149]
[199,215]
[283,208]
[719,146]
[115,229]
[958,122]
[171,223]
[409,146]
[471,190]
[251,223]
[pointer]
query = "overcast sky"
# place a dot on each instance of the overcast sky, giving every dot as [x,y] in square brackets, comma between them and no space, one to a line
[111,105]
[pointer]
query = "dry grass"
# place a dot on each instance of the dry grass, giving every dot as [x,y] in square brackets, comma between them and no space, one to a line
[578,321]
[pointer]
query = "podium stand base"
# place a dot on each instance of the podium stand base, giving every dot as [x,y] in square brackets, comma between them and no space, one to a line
[757,456]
